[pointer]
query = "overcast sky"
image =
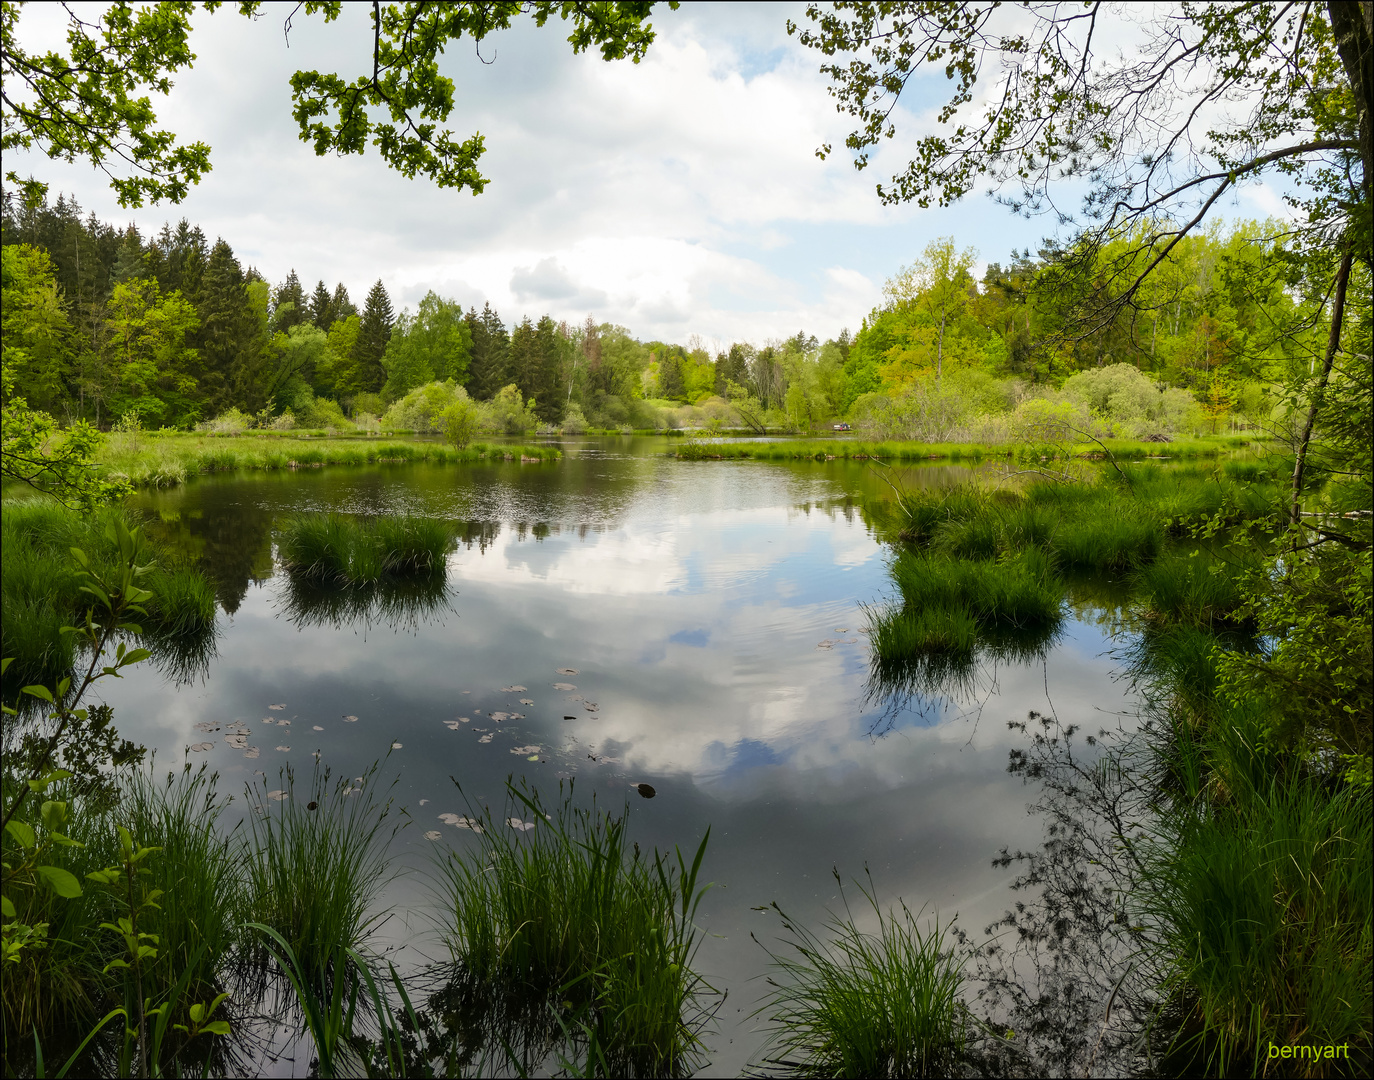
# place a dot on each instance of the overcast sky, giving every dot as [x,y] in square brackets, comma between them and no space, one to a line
[678,196]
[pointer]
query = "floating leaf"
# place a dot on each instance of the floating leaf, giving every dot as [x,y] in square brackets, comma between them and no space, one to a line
[499,716]
[591,706]
[284,749]
[516,823]
[238,742]
[318,728]
[533,757]
[312,805]
[423,801]
[513,689]
[569,718]
[825,644]
[268,720]
[206,725]
[278,795]
[526,701]
[198,747]
[453,725]
[564,686]
[350,719]
[277,708]
[485,738]
[568,671]
[283,723]
[841,629]
[395,746]
[525,750]
[251,753]
[646,790]
[433,834]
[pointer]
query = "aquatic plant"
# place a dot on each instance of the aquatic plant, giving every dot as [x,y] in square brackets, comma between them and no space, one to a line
[850,1003]
[1194,587]
[332,548]
[316,863]
[559,905]
[1017,591]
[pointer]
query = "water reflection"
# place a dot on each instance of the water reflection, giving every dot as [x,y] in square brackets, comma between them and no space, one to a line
[399,606]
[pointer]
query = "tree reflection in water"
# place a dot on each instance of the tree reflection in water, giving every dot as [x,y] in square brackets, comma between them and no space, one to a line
[397,605]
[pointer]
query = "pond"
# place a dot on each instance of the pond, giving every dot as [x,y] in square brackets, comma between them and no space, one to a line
[624,618]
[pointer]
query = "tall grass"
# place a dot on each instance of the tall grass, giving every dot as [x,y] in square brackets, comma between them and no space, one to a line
[1261,896]
[895,450]
[316,863]
[568,909]
[851,1003]
[1017,591]
[331,548]
[1194,588]
[41,588]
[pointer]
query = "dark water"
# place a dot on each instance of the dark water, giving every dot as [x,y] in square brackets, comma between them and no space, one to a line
[711,611]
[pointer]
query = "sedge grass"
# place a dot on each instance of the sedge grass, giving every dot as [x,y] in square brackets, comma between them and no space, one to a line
[1017,591]
[316,863]
[41,588]
[851,1003]
[331,548]
[1193,588]
[1262,903]
[561,907]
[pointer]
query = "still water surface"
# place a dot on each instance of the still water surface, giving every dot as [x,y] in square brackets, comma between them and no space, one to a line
[712,612]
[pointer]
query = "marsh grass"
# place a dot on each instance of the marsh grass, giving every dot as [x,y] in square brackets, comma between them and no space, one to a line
[1017,591]
[334,549]
[41,589]
[569,911]
[795,449]
[316,864]
[866,1004]
[1260,887]
[1194,588]
[168,460]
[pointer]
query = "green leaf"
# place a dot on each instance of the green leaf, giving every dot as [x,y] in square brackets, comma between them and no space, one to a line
[216,1027]
[7,908]
[62,882]
[39,692]
[22,832]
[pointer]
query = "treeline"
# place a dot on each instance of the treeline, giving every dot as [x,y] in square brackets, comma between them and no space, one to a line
[102,324]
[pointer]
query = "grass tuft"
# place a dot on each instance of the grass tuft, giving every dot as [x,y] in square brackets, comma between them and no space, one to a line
[567,909]
[331,548]
[866,1004]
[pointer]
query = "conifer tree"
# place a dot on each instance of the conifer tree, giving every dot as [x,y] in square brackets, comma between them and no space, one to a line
[368,374]
[129,259]
[289,292]
[228,327]
[670,383]
[488,368]
[341,307]
[545,377]
[322,307]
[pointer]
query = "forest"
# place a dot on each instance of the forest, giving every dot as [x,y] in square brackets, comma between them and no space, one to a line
[174,332]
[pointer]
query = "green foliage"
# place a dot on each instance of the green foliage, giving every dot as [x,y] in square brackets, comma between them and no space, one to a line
[335,549]
[852,1003]
[433,344]
[561,905]
[316,863]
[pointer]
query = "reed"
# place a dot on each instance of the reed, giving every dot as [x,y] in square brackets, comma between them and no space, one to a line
[850,1003]
[563,907]
[1194,588]
[1018,591]
[1109,541]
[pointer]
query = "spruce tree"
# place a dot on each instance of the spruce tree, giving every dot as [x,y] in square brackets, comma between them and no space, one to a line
[322,307]
[546,376]
[340,306]
[369,376]
[523,358]
[488,367]
[289,292]
[670,383]
[227,326]
[129,260]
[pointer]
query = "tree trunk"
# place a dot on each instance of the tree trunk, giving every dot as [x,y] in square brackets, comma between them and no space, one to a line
[940,350]
[1352,24]
[1332,344]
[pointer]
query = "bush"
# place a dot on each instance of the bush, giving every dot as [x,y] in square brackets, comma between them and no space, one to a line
[229,422]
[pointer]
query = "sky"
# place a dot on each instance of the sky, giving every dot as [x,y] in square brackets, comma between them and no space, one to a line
[676,197]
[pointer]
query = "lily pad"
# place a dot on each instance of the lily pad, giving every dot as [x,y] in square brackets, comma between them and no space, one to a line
[484,739]
[350,719]
[568,671]
[318,728]
[268,720]
[201,746]
[516,823]
[513,689]
[569,718]
[278,795]
[251,753]
[453,725]
[423,801]
[395,746]
[284,749]
[645,790]
[433,834]
[591,706]
[564,686]
[206,725]
[277,708]
[283,723]
[526,701]
[499,716]
[525,750]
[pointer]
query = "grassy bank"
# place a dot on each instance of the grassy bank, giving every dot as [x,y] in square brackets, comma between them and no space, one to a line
[167,460]
[704,449]
[41,587]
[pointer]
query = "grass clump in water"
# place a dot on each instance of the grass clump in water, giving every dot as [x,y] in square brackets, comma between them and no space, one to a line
[316,864]
[1193,588]
[1018,591]
[337,549]
[859,1004]
[561,907]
